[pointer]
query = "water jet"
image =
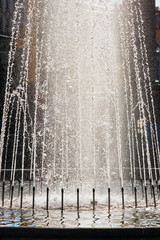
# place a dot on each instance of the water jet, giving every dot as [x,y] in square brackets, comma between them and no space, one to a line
[79,122]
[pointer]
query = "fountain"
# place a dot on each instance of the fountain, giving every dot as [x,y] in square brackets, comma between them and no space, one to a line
[79,125]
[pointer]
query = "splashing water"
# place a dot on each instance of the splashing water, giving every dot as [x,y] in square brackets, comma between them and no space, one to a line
[79,111]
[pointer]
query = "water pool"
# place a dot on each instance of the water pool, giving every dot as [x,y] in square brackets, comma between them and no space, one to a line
[128,218]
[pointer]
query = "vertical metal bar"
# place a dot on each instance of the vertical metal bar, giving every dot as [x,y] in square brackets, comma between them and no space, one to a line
[122,190]
[109,199]
[62,201]
[33,202]
[93,200]
[21,201]
[78,202]
[47,199]
[135,196]
[145,190]
[12,190]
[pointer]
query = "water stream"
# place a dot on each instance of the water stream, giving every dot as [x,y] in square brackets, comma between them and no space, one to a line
[79,111]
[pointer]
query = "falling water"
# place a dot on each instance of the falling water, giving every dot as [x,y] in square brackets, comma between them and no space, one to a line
[78,103]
